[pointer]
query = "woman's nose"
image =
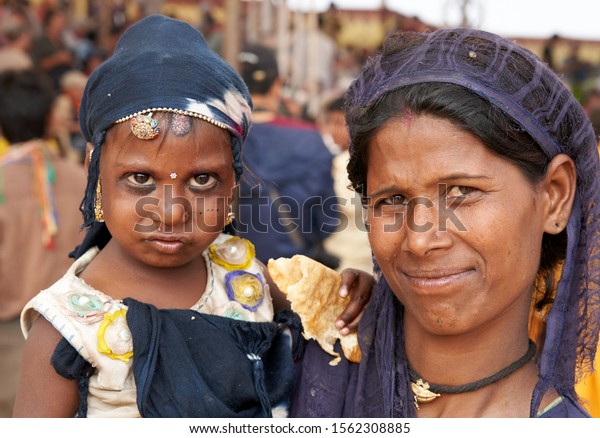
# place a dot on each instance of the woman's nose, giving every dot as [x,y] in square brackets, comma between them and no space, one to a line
[423,228]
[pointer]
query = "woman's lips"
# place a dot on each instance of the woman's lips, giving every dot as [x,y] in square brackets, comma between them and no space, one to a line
[436,279]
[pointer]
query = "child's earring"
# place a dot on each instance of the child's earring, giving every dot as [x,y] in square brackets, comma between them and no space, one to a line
[98,212]
[230,216]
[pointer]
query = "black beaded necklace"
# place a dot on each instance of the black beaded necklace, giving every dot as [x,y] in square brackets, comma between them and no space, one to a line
[425,392]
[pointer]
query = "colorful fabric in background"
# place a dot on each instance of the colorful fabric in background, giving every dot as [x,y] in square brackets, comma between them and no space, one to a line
[44,176]
[589,390]
[3,146]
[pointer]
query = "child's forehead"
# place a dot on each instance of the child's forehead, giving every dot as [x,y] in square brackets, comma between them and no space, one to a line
[189,140]
[151,130]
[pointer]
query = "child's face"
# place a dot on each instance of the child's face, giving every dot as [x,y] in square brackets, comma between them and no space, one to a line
[166,200]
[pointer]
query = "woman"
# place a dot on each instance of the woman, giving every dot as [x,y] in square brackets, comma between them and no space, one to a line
[479,175]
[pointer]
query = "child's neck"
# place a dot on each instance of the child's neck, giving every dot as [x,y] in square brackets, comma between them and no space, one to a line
[123,277]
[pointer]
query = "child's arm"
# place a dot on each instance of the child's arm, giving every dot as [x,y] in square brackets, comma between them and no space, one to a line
[42,391]
[359,284]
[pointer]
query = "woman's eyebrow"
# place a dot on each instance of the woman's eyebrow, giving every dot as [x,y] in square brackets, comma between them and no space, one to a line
[450,177]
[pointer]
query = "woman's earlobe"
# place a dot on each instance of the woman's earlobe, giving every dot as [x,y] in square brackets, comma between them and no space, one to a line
[560,184]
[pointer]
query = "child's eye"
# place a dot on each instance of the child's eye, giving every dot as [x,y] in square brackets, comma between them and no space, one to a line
[203,181]
[459,191]
[140,179]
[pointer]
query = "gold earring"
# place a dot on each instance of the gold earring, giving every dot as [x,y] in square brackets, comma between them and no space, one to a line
[98,212]
[230,216]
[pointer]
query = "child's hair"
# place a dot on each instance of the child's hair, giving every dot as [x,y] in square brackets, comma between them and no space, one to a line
[161,64]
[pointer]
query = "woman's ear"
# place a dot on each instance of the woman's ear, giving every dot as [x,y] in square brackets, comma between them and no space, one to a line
[89,148]
[560,184]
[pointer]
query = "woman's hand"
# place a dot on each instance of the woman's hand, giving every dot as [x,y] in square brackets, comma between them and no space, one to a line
[358,285]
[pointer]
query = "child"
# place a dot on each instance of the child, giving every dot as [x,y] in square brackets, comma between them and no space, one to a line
[184,325]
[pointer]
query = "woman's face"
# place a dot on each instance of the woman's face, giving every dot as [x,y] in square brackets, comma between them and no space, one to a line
[456,230]
[165,200]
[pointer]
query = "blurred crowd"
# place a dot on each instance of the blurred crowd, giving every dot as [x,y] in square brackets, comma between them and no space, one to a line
[44,34]
[43,38]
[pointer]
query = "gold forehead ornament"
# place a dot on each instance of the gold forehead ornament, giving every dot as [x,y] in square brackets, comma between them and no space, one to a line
[145,127]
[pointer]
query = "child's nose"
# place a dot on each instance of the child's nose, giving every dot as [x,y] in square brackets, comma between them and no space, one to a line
[176,209]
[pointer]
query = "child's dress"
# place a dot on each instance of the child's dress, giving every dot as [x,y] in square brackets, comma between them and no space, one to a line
[225,357]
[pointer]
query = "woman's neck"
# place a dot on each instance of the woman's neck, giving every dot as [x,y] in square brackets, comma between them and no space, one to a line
[463,359]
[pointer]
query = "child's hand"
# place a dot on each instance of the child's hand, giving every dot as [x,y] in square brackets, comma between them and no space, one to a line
[358,285]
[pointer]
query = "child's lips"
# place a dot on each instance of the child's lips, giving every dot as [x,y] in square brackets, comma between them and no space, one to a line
[167,243]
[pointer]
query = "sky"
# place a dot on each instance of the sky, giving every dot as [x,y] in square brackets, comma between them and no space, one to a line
[579,19]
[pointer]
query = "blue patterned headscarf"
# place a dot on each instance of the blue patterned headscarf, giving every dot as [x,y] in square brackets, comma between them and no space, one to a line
[162,64]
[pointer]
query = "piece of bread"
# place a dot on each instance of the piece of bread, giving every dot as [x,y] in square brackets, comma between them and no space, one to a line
[313,290]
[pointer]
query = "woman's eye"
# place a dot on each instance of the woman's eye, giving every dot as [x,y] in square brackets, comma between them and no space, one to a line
[459,191]
[203,181]
[394,200]
[140,179]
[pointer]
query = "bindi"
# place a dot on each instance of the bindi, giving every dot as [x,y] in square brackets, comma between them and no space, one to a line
[181,124]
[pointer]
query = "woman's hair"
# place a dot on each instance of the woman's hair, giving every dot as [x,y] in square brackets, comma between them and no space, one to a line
[517,106]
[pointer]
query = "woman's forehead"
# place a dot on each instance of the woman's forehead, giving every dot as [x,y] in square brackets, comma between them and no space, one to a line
[422,147]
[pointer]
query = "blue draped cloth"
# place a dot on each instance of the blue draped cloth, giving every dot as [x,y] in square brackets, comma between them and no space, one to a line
[193,365]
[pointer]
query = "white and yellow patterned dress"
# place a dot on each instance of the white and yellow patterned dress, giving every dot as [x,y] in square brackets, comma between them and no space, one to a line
[96,326]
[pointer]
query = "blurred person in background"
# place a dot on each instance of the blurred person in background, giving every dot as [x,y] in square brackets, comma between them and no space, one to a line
[15,40]
[350,242]
[64,123]
[49,49]
[288,204]
[40,220]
